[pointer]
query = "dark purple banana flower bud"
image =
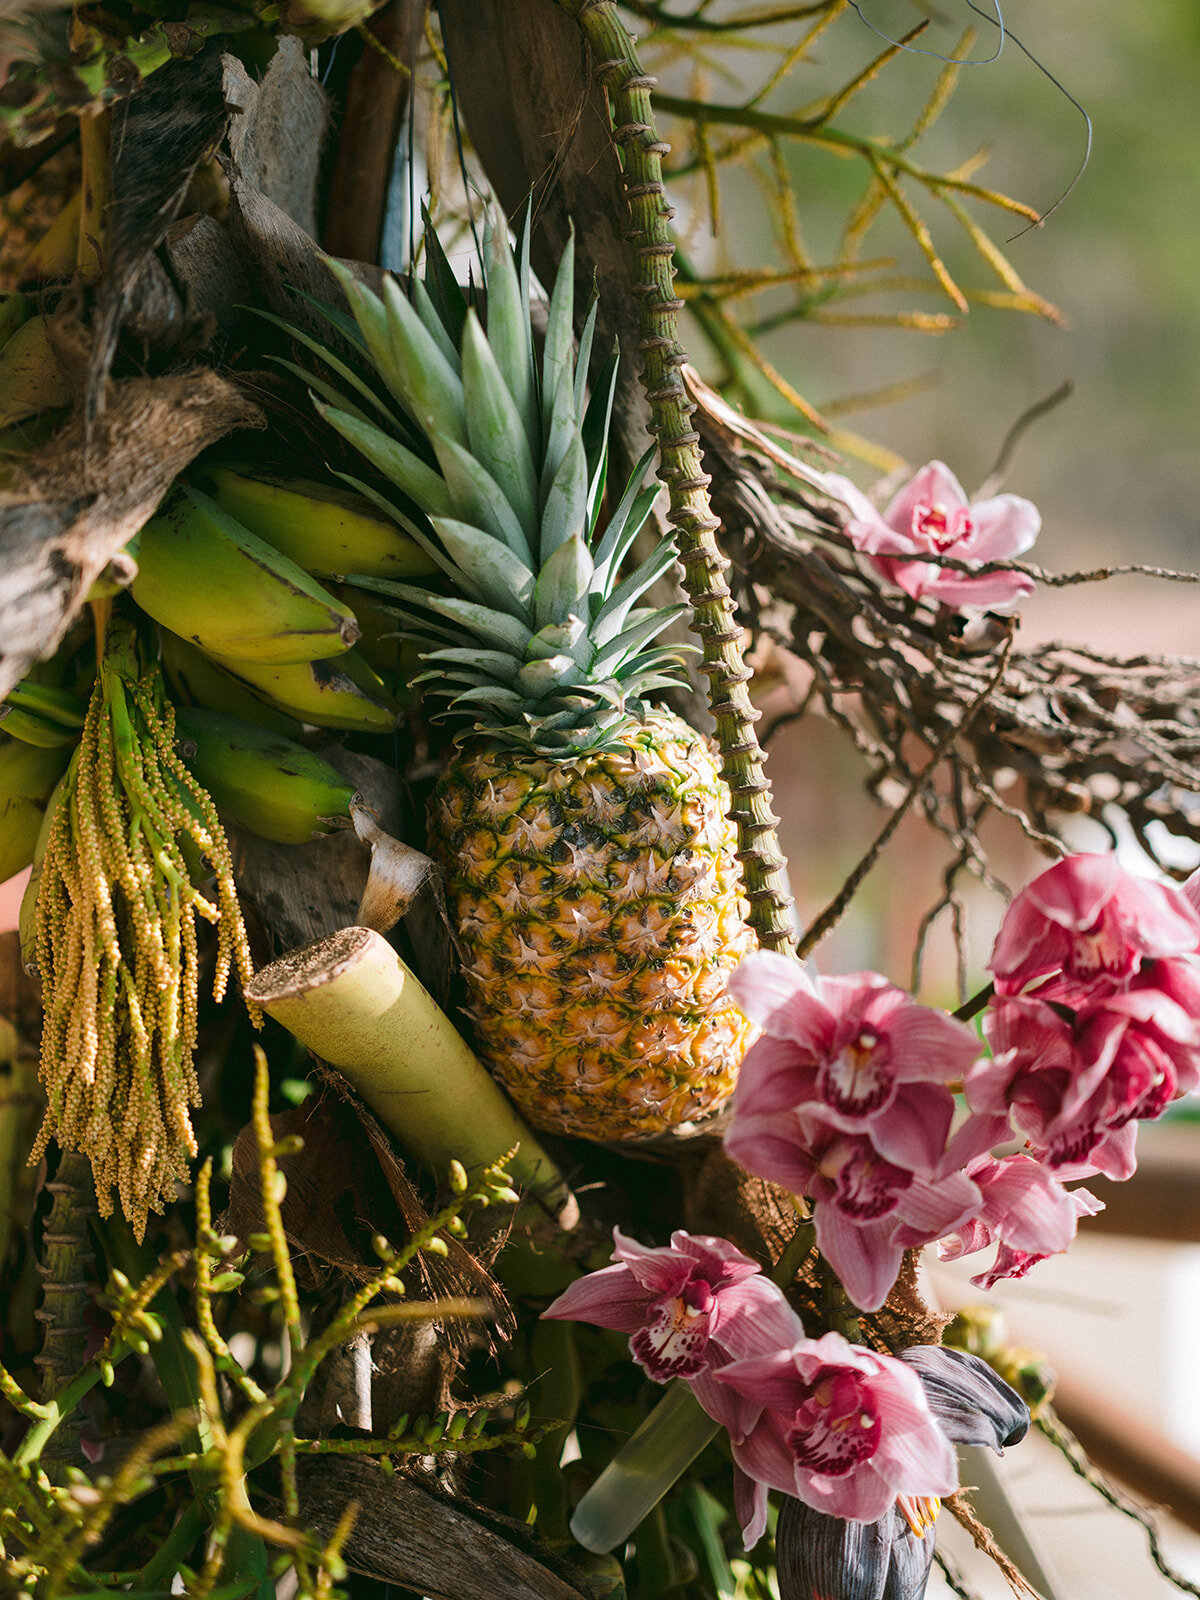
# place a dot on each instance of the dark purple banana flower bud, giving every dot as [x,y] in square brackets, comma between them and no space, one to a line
[819,1557]
[971,1403]
[824,1558]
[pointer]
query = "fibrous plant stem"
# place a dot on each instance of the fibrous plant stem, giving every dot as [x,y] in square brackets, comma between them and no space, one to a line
[68,1269]
[641,152]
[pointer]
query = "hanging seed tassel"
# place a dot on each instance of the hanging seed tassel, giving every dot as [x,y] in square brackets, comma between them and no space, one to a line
[117,946]
[681,470]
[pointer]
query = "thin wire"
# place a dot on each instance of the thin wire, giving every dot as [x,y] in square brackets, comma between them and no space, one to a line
[997,21]
[1066,93]
[957,61]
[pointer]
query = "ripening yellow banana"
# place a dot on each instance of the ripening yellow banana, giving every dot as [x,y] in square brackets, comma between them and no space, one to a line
[31,378]
[55,254]
[339,693]
[270,785]
[28,774]
[198,680]
[326,530]
[210,580]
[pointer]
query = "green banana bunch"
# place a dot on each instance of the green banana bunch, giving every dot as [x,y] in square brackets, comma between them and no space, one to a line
[28,774]
[326,530]
[198,680]
[39,715]
[270,785]
[340,693]
[31,379]
[207,578]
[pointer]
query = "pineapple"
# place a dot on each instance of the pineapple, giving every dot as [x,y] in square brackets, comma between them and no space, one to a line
[590,861]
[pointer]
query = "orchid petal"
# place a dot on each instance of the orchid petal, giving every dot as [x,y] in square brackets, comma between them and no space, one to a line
[861,1254]
[765,983]
[610,1298]
[1005,526]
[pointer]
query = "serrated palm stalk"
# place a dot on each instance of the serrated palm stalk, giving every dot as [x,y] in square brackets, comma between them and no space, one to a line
[591,866]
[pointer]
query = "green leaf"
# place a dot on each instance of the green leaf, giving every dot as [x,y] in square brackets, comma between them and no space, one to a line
[596,422]
[444,288]
[433,325]
[491,695]
[420,482]
[494,428]
[625,524]
[494,627]
[559,348]
[498,666]
[539,678]
[499,577]
[563,583]
[564,514]
[612,615]
[509,332]
[433,388]
[478,499]
[584,361]
[369,313]
[641,632]
[335,363]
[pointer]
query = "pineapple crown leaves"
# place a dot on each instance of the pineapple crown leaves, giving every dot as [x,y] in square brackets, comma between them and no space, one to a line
[496,462]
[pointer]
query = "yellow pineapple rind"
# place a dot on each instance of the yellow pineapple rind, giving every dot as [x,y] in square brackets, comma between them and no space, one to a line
[599,909]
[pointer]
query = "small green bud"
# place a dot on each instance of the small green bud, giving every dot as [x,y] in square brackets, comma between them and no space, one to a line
[278,1189]
[437,1246]
[457,1425]
[522,1415]
[259,1241]
[290,1145]
[382,1246]
[107,1374]
[225,1281]
[458,1177]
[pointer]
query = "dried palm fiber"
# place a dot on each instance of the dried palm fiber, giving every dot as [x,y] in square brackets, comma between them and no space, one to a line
[117,942]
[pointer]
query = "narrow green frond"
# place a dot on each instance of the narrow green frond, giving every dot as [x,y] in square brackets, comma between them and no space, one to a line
[563,583]
[420,482]
[493,427]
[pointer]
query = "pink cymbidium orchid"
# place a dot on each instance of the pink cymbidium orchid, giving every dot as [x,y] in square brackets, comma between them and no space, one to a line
[860,1195]
[1085,926]
[1075,1082]
[1024,1211]
[856,1049]
[932,516]
[841,1427]
[688,1308]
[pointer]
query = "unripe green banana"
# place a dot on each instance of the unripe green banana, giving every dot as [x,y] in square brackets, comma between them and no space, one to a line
[198,680]
[340,693]
[27,777]
[31,379]
[207,578]
[272,786]
[323,529]
[38,715]
[49,701]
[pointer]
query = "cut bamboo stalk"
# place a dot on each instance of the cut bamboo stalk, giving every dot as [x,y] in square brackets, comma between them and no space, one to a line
[356,1005]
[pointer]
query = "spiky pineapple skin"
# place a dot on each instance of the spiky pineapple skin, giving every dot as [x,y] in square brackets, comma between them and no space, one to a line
[599,910]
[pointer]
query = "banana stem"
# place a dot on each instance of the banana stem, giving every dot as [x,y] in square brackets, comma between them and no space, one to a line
[642,1471]
[356,1005]
[681,468]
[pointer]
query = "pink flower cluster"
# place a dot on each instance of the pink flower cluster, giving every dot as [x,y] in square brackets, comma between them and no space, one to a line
[932,516]
[843,1428]
[846,1098]
[1096,1021]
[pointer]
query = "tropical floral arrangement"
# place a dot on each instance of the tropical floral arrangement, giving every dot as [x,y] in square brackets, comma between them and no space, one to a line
[433,1158]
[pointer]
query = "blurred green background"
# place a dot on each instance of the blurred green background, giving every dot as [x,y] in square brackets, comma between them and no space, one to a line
[1114,470]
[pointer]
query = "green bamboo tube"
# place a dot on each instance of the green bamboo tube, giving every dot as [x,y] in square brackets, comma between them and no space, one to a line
[355,1004]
